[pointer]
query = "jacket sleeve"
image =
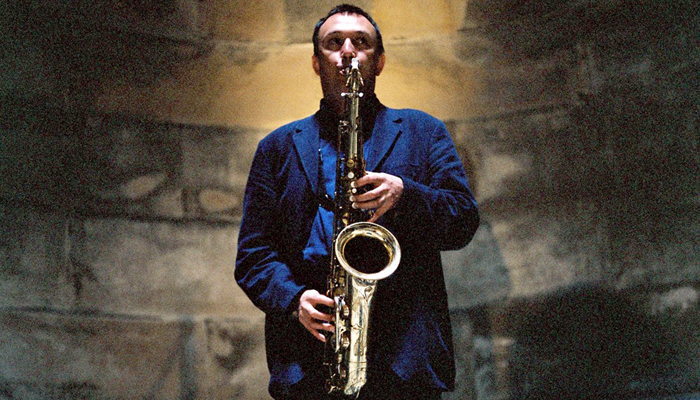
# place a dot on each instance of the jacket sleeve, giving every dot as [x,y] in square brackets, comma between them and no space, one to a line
[261,269]
[437,207]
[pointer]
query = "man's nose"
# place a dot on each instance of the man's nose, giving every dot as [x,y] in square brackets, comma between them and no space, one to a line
[348,50]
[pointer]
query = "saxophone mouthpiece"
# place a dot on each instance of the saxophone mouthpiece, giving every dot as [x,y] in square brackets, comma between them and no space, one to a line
[352,72]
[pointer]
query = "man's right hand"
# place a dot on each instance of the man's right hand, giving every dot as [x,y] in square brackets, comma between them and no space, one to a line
[313,319]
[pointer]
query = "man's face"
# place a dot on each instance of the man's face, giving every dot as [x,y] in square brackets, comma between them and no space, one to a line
[341,38]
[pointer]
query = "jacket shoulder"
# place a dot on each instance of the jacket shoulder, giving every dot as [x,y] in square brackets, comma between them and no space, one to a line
[412,116]
[285,133]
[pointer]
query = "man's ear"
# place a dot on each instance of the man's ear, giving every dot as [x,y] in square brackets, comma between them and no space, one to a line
[380,64]
[315,65]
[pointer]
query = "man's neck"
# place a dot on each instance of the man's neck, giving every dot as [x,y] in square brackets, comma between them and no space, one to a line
[329,118]
[334,107]
[368,104]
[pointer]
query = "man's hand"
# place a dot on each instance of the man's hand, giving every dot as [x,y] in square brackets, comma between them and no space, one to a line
[312,319]
[386,192]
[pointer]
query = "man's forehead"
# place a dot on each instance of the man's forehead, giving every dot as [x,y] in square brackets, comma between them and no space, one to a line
[346,22]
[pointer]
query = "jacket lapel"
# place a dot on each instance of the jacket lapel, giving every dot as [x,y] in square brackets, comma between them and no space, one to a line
[306,143]
[387,129]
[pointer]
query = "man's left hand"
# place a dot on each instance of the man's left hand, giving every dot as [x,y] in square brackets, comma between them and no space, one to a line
[384,195]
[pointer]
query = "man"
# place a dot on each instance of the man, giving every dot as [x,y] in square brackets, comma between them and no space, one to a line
[419,191]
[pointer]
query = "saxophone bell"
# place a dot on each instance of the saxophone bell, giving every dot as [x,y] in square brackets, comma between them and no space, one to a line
[367,251]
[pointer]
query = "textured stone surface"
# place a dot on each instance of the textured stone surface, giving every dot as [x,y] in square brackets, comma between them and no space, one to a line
[138,167]
[46,355]
[245,21]
[34,269]
[158,268]
[128,129]
[580,342]
[477,274]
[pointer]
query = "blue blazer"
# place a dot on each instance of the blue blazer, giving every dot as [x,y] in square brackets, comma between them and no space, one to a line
[410,324]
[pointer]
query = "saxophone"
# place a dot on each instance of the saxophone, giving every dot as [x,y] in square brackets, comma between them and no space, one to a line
[362,254]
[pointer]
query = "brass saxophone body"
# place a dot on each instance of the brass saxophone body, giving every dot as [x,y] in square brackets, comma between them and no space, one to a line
[363,253]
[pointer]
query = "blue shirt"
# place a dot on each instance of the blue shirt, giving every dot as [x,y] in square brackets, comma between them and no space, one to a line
[321,239]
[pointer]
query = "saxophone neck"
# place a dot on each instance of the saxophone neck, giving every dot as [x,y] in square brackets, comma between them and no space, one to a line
[353,82]
[354,78]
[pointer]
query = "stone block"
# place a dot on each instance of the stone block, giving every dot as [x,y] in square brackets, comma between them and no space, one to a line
[602,343]
[417,19]
[303,15]
[179,19]
[264,85]
[120,266]
[512,85]
[34,266]
[477,274]
[545,251]
[430,74]
[45,355]
[464,344]
[135,167]
[259,85]
[215,165]
[245,21]
[125,166]
[133,267]
[513,153]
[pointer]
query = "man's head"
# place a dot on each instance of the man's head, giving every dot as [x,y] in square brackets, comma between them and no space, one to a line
[348,9]
[346,32]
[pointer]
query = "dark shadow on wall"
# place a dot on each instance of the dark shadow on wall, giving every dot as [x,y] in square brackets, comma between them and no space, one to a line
[590,342]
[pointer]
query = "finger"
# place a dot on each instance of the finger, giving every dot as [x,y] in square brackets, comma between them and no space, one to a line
[323,326]
[368,195]
[313,324]
[317,315]
[315,298]
[324,300]
[379,212]
[375,216]
[314,327]
[308,309]
[367,205]
[369,179]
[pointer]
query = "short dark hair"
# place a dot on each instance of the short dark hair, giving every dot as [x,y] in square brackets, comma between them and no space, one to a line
[347,9]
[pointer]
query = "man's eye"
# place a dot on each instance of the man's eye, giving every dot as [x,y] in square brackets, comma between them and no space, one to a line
[334,43]
[362,43]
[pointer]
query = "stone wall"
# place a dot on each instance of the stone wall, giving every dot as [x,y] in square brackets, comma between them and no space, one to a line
[128,128]
[583,283]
